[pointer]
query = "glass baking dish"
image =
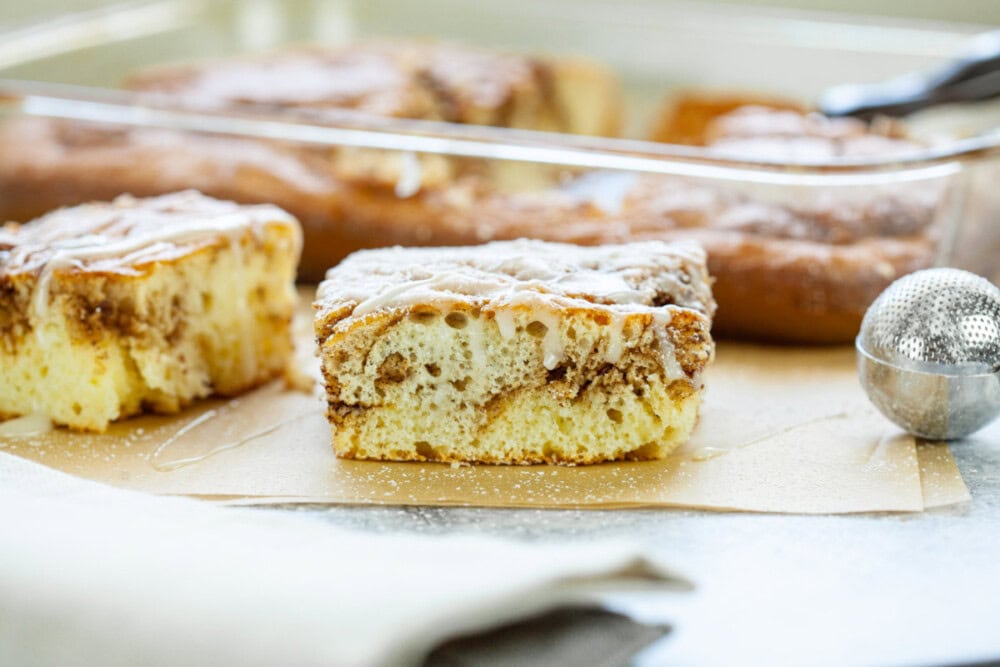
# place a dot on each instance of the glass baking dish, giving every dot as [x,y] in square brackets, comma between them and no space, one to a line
[66,67]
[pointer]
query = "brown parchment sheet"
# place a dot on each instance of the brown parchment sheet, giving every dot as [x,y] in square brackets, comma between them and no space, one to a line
[782,430]
[940,479]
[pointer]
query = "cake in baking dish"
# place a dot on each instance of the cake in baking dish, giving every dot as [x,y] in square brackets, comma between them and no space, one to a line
[108,309]
[515,352]
[46,163]
[404,78]
[794,264]
[686,115]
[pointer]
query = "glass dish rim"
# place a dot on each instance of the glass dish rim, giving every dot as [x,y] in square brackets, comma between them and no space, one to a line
[347,128]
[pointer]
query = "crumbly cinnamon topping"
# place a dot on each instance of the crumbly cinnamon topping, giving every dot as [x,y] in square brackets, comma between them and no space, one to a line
[127,233]
[406,79]
[628,278]
[782,134]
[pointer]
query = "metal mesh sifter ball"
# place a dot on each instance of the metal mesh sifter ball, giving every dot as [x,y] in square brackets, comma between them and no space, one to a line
[929,353]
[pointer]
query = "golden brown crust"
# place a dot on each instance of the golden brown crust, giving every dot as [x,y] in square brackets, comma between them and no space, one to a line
[743,121]
[686,116]
[794,291]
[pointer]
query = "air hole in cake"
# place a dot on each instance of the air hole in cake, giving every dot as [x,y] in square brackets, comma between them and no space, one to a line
[393,368]
[461,384]
[615,415]
[648,409]
[571,333]
[425,450]
[537,329]
[423,316]
[663,300]
[456,320]
[556,374]
[433,369]
[206,301]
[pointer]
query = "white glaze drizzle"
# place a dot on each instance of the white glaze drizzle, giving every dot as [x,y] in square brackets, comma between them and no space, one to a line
[606,190]
[507,278]
[175,464]
[185,218]
[616,340]
[410,175]
[504,318]
[709,452]
[668,354]
[181,432]
[396,277]
[29,425]
[553,350]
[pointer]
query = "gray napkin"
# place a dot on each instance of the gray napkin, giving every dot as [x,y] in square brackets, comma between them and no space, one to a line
[579,637]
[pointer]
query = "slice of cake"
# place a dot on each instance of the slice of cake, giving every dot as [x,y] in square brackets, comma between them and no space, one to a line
[515,352]
[109,309]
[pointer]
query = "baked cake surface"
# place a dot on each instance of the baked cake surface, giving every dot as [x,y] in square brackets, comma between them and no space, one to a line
[107,309]
[403,78]
[47,163]
[414,79]
[515,352]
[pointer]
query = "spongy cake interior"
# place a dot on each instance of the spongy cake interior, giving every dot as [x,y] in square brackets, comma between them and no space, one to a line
[448,384]
[215,320]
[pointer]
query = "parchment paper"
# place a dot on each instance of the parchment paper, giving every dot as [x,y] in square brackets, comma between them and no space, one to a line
[782,430]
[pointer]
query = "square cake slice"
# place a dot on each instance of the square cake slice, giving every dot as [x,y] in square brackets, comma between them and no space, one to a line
[515,352]
[109,309]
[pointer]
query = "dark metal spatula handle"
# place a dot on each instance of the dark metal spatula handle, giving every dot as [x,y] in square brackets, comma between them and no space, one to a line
[972,77]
